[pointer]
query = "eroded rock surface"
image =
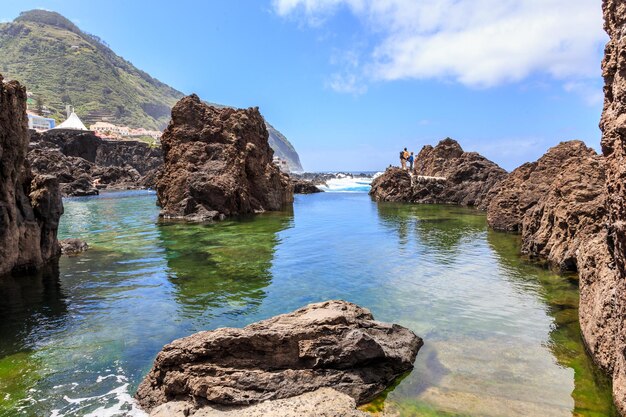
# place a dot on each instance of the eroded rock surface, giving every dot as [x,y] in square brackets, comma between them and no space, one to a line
[332,344]
[30,206]
[84,163]
[603,275]
[444,174]
[218,163]
[555,203]
[322,402]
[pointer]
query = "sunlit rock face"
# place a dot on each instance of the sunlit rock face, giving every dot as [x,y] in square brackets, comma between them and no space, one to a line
[333,344]
[555,203]
[603,275]
[443,174]
[30,206]
[218,163]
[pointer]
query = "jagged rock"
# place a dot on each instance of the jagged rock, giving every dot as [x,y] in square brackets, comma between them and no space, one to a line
[556,203]
[218,163]
[304,187]
[30,206]
[603,280]
[395,184]
[444,174]
[80,187]
[322,402]
[332,344]
[81,161]
[73,246]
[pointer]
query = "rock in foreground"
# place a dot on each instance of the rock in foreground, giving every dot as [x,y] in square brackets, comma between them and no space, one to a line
[444,174]
[218,163]
[30,206]
[322,402]
[332,344]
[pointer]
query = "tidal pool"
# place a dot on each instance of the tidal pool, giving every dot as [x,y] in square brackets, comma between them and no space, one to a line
[501,335]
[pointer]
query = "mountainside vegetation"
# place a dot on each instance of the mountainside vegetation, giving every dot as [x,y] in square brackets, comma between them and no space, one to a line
[62,65]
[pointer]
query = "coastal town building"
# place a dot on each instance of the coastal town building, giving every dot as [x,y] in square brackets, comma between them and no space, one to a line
[110,131]
[39,123]
[282,164]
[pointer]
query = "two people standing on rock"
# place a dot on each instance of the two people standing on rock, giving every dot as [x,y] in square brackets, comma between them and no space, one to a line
[405,157]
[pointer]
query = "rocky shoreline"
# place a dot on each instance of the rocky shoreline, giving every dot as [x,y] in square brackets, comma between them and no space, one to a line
[85,164]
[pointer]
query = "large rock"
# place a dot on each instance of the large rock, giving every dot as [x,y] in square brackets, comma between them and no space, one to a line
[332,344]
[556,203]
[444,174]
[30,206]
[218,163]
[603,280]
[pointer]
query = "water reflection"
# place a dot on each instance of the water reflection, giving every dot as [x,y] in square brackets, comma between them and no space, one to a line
[592,390]
[442,228]
[222,268]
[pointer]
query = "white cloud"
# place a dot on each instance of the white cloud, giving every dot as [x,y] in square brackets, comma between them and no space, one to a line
[479,43]
[591,92]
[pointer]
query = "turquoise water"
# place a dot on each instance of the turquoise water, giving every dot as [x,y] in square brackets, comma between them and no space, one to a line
[501,335]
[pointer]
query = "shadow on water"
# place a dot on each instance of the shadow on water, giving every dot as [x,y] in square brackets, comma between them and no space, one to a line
[443,228]
[222,268]
[592,388]
[28,304]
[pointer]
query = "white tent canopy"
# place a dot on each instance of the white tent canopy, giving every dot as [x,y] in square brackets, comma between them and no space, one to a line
[72,122]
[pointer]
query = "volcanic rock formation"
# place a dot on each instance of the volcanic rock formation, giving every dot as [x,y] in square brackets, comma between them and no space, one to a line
[81,159]
[603,260]
[30,206]
[444,174]
[332,344]
[304,187]
[556,203]
[218,163]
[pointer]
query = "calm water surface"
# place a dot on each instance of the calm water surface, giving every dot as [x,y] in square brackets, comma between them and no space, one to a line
[501,336]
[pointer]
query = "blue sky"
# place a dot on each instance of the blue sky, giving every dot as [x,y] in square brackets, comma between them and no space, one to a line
[351,82]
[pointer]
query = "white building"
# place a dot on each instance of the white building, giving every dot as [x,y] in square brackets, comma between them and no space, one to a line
[110,129]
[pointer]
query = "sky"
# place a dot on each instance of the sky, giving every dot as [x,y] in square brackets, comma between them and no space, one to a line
[352,82]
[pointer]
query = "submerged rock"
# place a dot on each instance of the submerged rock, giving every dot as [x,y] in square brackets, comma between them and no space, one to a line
[30,206]
[73,246]
[555,203]
[603,260]
[218,163]
[444,174]
[332,344]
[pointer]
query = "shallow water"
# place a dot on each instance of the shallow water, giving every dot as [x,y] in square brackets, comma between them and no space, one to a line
[501,335]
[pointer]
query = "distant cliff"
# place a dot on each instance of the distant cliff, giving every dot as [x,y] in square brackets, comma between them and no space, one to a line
[60,64]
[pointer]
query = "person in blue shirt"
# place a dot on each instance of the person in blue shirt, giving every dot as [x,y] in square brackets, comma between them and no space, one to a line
[411,159]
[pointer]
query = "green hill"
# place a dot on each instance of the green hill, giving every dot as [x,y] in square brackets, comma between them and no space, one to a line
[60,65]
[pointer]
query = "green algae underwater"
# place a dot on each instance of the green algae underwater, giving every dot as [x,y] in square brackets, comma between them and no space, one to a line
[501,335]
